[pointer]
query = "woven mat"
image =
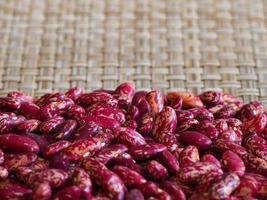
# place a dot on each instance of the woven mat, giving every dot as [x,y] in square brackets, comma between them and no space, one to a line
[194,45]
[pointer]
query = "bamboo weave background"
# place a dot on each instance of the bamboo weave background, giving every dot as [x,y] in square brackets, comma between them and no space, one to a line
[194,45]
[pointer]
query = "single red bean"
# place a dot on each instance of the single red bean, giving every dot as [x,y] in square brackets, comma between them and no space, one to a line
[146,151]
[134,194]
[107,111]
[189,155]
[10,189]
[195,138]
[86,131]
[18,144]
[248,187]
[13,161]
[87,147]
[3,172]
[9,103]
[10,123]
[68,193]
[155,170]
[145,124]
[124,94]
[74,93]
[156,101]
[30,110]
[223,145]
[39,139]
[189,100]
[60,161]
[20,96]
[82,180]
[223,188]
[169,161]
[256,145]
[88,99]
[65,130]
[110,152]
[28,126]
[255,125]
[111,183]
[194,171]
[129,137]
[211,98]
[255,164]
[55,177]
[212,159]
[131,178]
[55,148]
[42,192]
[50,125]
[233,163]
[208,129]
[74,111]
[104,122]
[174,190]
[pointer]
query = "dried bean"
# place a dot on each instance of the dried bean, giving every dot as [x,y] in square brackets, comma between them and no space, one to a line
[195,138]
[156,171]
[169,161]
[129,137]
[42,192]
[233,163]
[189,155]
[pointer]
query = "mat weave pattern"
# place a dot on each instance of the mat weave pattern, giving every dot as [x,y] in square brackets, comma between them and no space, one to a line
[194,45]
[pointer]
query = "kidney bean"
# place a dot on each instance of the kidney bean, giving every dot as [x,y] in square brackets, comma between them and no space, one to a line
[256,145]
[39,139]
[248,111]
[223,188]
[132,124]
[9,103]
[255,125]
[248,187]
[221,125]
[195,138]
[166,139]
[20,96]
[126,160]
[189,155]
[111,183]
[86,131]
[124,94]
[187,125]
[82,180]
[232,136]
[10,123]
[28,126]
[29,110]
[223,145]
[10,189]
[42,192]
[60,161]
[255,164]
[55,148]
[74,111]
[176,104]
[145,124]
[65,130]
[18,144]
[212,159]
[129,137]
[104,110]
[156,101]
[208,129]
[189,100]
[68,193]
[87,147]
[233,163]
[3,172]
[194,171]
[55,177]
[131,178]
[174,190]
[134,194]
[88,99]
[104,122]
[202,114]
[74,93]
[207,180]
[50,125]
[211,98]
[166,121]
[155,170]
[169,161]
[146,151]
[13,161]
[225,112]
[109,153]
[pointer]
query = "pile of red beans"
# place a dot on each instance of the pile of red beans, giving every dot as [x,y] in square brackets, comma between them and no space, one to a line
[131,145]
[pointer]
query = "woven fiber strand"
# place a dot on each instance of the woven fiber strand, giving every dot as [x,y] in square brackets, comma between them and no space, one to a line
[187,45]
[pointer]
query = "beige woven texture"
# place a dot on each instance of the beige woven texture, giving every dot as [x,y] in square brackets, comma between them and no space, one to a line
[194,45]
